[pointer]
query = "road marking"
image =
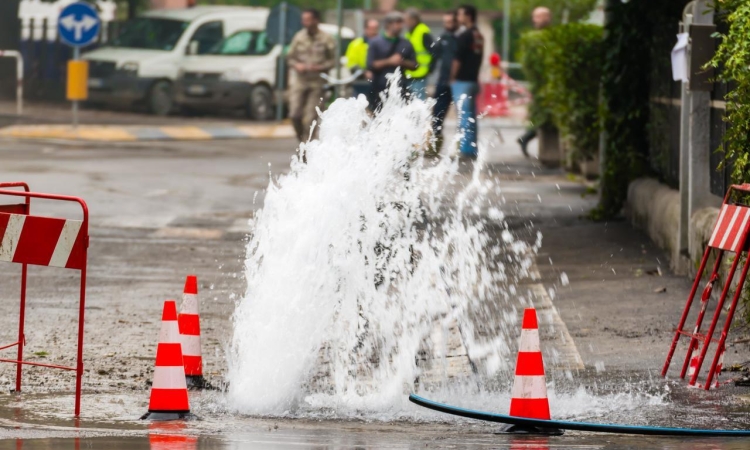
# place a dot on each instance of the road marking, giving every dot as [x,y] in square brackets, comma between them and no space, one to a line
[112,133]
[188,233]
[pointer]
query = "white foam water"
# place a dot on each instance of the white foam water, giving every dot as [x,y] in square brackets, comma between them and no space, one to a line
[357,257]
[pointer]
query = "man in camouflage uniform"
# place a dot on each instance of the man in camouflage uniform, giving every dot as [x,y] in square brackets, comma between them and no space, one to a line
[311,53]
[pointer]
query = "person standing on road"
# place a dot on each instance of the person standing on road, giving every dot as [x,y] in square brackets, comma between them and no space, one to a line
[311,53]
[356,57]
[465,78]
[541,18]
[387,53]
[446,50]
[420,37]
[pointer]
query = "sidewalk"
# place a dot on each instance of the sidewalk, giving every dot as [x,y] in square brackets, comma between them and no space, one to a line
[612,285]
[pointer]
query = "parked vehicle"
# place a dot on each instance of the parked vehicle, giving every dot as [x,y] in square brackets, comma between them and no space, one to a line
[240,73]
[140,65]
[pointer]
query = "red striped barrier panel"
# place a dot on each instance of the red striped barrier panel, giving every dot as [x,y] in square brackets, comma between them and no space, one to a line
[43,241]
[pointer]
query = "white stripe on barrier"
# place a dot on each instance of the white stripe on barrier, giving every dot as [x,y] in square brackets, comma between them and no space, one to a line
[11,237]
[170,377]
[191,345]
[529,387]
[169,333]
[529,341]
[65,243]
[189,304]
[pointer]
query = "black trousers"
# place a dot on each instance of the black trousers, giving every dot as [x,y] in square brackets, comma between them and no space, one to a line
[442,103]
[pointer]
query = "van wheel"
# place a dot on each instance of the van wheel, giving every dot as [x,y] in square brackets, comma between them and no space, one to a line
[260,103]
[160,99]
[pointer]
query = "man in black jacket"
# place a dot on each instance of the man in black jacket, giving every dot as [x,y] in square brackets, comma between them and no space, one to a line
[445,50]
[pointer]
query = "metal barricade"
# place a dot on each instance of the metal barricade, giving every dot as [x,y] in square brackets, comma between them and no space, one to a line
[43,241]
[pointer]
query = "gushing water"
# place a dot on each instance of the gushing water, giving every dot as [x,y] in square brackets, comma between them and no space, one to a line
[373,272]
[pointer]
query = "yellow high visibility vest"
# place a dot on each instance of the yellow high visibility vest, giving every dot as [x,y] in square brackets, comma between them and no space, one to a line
[356,54]
[424,58]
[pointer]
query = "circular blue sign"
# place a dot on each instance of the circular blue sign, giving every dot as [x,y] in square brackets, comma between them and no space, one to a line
[78,24]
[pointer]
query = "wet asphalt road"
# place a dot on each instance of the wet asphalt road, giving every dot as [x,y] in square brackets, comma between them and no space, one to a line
[163,210]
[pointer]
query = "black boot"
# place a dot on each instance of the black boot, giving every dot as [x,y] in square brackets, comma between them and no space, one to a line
[298,129]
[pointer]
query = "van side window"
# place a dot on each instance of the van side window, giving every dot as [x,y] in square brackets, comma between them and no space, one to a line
[261,44]
[208,36]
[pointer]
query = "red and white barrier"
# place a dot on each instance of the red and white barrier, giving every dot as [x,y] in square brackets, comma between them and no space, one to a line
[731,226]
[494,99]
[169,393]
[43,241]
[529,395]
[190,329]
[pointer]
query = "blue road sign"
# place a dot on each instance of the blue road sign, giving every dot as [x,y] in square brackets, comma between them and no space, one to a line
[78,24]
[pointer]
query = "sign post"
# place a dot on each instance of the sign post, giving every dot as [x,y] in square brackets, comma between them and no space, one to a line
[284,20]
[78,26]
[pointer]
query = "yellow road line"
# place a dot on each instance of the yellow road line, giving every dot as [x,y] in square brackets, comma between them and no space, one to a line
[185,132]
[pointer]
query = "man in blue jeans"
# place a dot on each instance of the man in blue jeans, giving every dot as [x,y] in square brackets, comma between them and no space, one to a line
[465,78]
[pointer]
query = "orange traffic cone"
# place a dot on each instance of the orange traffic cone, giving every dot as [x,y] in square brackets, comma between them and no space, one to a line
[529,395]
[190,334]
[169,395]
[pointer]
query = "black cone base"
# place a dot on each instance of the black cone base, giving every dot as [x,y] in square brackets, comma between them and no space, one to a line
[160,416]
[196,382]
[518,429]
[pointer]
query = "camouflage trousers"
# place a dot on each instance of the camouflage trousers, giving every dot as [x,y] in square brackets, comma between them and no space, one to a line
[304,97]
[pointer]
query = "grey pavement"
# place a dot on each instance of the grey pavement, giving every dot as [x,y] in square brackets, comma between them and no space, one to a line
[163,210]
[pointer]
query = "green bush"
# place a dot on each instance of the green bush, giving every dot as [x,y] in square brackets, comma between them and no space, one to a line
[732,58]
[564,67]
[533,50]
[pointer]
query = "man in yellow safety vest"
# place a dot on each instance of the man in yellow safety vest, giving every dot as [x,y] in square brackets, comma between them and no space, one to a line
[421,39]
[356,57]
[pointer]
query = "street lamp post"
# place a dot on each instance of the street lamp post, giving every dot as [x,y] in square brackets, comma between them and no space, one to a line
[506,31]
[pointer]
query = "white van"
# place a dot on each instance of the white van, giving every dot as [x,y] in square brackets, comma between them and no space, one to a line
[142,62]
[240,73]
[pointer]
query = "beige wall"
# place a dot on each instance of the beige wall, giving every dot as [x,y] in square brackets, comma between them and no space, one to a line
[168,4]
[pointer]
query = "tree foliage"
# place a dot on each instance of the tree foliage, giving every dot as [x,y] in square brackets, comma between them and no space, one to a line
[733,58]
[626,81]
[563,65]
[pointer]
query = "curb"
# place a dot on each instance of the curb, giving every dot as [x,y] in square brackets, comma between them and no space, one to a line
[113,133]
[655,208]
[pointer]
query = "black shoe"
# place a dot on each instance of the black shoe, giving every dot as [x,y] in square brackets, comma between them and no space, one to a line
[523,143]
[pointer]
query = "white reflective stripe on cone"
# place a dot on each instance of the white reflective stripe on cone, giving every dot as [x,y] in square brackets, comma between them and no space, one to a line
[529,341]
[170,377]
[189,304]
[170,332]
[191,345]
[529,387]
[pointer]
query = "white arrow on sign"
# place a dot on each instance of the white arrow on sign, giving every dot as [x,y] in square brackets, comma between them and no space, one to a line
[86,23]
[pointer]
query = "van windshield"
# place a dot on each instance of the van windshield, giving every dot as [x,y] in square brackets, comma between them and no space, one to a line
[150,33]
[246,42]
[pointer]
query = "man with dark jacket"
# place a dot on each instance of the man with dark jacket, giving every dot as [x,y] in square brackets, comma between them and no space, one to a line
[445,50]
[386,53]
